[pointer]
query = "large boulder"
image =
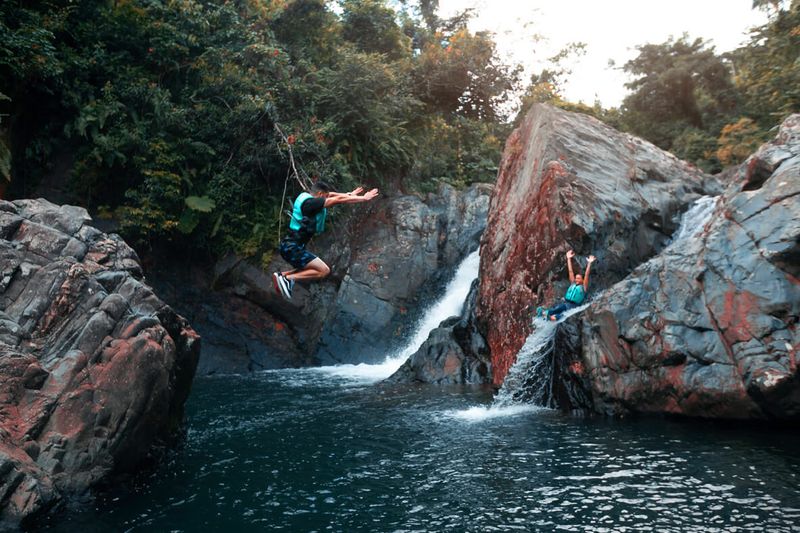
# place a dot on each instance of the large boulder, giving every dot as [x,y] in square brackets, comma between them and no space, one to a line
[568,181]
[94,368]
[381,258]
[709,327]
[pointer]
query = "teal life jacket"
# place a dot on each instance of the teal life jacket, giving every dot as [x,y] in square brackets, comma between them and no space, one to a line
[304,224]
[575,294]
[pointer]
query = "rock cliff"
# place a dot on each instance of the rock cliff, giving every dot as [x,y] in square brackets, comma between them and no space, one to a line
[94,368]
[568,181]
[709,327]
[385,259]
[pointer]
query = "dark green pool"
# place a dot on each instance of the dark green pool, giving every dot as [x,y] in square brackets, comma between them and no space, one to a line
[310,451]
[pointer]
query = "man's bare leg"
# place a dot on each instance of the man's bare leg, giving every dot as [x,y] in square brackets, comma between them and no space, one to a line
[316,269]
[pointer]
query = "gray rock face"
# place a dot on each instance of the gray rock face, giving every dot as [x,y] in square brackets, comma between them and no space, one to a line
[455,353]
[709,327]
[382,259]
[94,368]
[239,336]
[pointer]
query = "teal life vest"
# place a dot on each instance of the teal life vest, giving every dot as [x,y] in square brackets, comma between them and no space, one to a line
[575,294]
[304,224]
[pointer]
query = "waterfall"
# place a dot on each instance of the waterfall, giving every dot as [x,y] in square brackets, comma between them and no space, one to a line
[530,379]
[693,220]
[534,361]
[450,304]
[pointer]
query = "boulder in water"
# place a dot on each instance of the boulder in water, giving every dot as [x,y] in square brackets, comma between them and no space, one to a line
[568,181]
[94,367]
[709,327]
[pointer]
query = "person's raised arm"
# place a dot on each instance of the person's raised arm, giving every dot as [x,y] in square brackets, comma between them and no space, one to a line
[570,255]
[354,197]
[586,276]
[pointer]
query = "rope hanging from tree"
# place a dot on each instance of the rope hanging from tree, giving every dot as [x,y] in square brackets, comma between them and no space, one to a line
[292,172]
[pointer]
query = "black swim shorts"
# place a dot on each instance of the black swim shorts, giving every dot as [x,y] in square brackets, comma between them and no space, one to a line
[296,254]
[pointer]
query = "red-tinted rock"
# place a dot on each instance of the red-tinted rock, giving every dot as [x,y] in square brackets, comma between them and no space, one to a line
[94,368]
[567,181]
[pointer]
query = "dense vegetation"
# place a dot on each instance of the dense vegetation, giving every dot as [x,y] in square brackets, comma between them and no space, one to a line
[188,118]
[191,121]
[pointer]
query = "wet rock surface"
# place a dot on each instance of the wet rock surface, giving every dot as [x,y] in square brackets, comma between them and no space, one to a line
[709,327]
[567,181]
[403,257]
[94,367]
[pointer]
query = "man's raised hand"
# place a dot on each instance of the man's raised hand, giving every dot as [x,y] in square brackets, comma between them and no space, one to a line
[570,254]
[591,259]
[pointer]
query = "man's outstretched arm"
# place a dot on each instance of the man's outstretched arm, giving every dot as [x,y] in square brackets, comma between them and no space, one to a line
[586,276]
[354,197]
[570,255]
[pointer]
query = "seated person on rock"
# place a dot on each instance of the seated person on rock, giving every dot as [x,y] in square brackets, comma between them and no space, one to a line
[307,219]
[576,293]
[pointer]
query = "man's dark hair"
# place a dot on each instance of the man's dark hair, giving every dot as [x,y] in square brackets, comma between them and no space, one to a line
[323,186]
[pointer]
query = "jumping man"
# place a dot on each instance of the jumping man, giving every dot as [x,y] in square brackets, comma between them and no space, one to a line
[576,292]
[308,218]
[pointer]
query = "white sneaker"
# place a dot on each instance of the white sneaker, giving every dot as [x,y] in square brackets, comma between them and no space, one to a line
[282,285]
[285,286]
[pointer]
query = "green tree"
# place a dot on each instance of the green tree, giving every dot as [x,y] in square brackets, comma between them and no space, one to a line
[367,108]
[767,69]
[678,84]
[187,121]
[461,73]
[308,29]
[372,26]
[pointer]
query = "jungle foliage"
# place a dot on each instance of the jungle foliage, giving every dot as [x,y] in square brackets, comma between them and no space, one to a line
[715,109]
[707,108]
[186,120]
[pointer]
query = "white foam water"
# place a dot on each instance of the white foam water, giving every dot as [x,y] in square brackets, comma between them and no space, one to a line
[450,304]
[481,413]
[534,361]
[693,220]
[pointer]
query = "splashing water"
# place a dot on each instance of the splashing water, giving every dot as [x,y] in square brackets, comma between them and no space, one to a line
[534,362]
[530,379]
[450,304]
[481,413]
